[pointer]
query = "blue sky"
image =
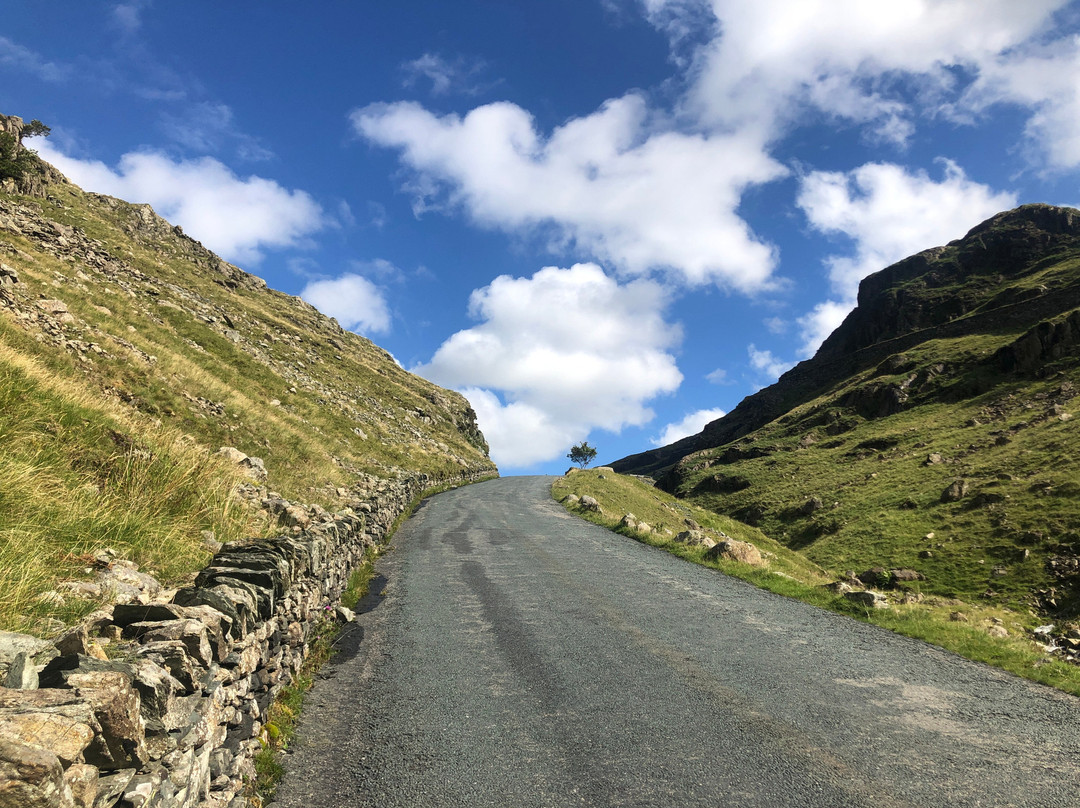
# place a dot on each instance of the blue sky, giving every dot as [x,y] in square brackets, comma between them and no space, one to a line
[600,219]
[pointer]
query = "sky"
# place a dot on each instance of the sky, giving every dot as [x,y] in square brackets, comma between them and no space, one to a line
[600,220]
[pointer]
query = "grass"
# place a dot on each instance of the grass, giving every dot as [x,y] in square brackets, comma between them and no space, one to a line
[77,476]
[284,714]
[790,574]
[882,496]
[109,423]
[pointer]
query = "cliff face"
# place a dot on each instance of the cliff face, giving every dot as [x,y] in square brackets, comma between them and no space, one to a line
[21,171]
[975,285]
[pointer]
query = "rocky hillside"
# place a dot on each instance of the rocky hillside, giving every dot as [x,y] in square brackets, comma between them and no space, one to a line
[932,431]
[131,356]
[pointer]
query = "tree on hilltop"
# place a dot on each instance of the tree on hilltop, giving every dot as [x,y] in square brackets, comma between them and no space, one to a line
[582,454]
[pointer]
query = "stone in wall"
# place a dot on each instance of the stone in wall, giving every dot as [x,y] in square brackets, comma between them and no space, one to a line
[176,722]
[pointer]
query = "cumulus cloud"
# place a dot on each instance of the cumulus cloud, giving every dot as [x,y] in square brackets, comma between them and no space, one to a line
[693,423]
[1044,79]
[606,184]
[354,301]
[773,60]
[556,355]
[237,218]
[888,213]
[767,364]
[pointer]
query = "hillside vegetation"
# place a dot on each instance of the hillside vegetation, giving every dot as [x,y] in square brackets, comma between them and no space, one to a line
[130,354]
[980,630]
[933,432]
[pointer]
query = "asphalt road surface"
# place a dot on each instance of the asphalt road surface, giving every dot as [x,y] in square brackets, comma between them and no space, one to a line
[519,657]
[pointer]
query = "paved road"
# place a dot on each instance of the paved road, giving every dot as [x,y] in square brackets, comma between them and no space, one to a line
[519,657]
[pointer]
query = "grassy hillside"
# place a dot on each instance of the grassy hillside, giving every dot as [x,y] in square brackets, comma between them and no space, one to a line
[932,433]
[129,354]
[981,629]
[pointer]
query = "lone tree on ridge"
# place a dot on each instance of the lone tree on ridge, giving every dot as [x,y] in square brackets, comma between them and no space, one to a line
[582,454]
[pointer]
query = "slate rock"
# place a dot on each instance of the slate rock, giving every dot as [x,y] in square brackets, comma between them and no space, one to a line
[22,675]
[31,777]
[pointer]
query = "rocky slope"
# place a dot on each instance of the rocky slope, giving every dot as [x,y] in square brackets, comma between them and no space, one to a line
[128,351]
[154,401]
[930,432]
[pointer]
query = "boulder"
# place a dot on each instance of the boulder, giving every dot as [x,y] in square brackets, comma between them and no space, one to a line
[12,644]
[955,492]
[112,786]
[64,731]
[590,504]
[82,779]
[904,576]
[868,598]
[733,550]
[875,576]
[695,538]
[252,467]
[22,674]
[192,633]
[117,707]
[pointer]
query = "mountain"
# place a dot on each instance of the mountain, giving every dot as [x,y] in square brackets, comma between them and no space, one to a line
[142,378]
[932,429]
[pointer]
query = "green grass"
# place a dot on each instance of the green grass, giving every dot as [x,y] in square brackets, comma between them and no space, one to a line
[284,714]
[790,574]
[882,498]
[115,446]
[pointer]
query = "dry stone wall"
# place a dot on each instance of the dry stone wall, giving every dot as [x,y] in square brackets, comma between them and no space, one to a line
[172,716]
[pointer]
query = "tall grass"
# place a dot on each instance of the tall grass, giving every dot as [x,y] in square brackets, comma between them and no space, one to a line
[76,476]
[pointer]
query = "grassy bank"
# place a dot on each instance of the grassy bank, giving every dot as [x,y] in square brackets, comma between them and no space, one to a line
[963,627]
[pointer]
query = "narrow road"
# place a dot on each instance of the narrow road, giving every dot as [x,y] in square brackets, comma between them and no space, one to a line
[519,657]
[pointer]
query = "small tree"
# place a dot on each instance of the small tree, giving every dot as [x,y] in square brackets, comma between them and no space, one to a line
[582,454]
[36,129]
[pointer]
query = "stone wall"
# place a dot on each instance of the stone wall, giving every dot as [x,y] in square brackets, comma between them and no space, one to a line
[171,716]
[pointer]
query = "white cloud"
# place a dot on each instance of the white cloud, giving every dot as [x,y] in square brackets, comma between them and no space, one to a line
[1045,79]
[557,355]
[765,363]
[889,213]
[693,423]
[606,184]
[718,376]
[128,15]
[237,218]
[775,59]
[817,324]
[446,75]
[354,301]
[15,55]
[207,126]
